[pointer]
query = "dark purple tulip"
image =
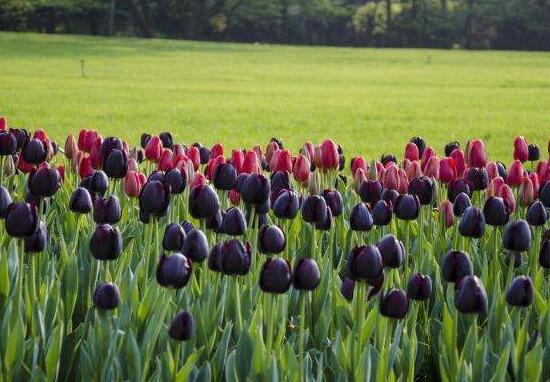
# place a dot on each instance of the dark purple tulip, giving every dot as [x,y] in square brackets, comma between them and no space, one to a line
[34,151]
[280,180]
[21,219]
[501,167]
[376,285]
[513,256]
[215,223]
[8,143]
[286,205]
[98,183]
[472,223]
[370,191]
[234,223]
[156,175]
[37,241]
[235,258]
[517,236]
[167,139]
[388,158]
[334,201]
[5,201]
[116,164]
[182,326]
[477,178]
[215,258]
[544,195]
[381,213]
[154,198]
[106,296]
[108,145]
[176,179]
[450,147]
[520,292]
[470,296]
[419,287]
[241,179]
[106,242]
[174,271]
[392,251]
[187,226]
[536,214]
[195,246]
[457,186]
[81,201]
[394,304]
[407,207]
[21,136]
[420,143]
[173,238]
[144,217]
[364,263]
[271,239]
[44,182]
[107,210]
[347,288]
[534,152]
[203,202]
[496,212]
[360,218]
[424,188]
[544,254]
[390,196]
[204,153]
[456,265]
[275,276]
[144,140]
[326,224]
[225,176]
[262,208]
[255,189]
[314,209]
[306,275]
[462,201]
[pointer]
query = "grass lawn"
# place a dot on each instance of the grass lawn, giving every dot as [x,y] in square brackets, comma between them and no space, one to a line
[369,100]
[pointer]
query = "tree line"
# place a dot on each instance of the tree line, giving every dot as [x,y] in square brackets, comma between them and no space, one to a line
[470,24]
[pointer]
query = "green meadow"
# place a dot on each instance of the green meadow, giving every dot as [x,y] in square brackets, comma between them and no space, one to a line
[369,100]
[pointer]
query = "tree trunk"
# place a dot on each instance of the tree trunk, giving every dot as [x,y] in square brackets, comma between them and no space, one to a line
[112,10]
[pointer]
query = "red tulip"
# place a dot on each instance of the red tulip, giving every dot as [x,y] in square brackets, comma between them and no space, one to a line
[357,163]
[165,160]
[237,160]
[194,155]
[41,135]
[153,150]
[521,150]
[271,148]
[24,167]
[198,179]
[85,167]
[211,166]
[432,167]
[234,197]
[259,154]
[492,170]
[446,211]
[378,171]
[330,159]
[403,181]
[536,184]
[281,161]
[177,149]
[3,123]
[447,170]
[216,150]
[391,177]
[132,184]
[475,154]
[308,150]
[301,169]
[411,152]
[515,174]
[526,192]
[358,179]
[95,154]
[493,189]
[412,168]
[506,193]
[132,165]
[61,172]
[251,164]
[460,162]
[71,147]
[426,155]
[86,139]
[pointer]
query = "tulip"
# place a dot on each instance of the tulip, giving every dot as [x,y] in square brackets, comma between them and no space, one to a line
[526,192]
[517,236]
[475,153]
[358,163]
[472,223]
[403,181]
[447,215]
[496,212]
[381,213]
[536,214]
[85,168]
[9,165]
[533,153]
[145,138]
[347,288]
[460,161]
[225,176]
[420,143]
[8,143]
[281,160]
[361,218]
[424,188]
[203,202]
[81,201]
[419,287]
[544,254]
[44,182]
[534,178]
[457,187]
[173,238]
[364,263]
[426,155]
[36,242]
[477,178]
[153,149]
[167,139]
[98,183]
[407,207]
[412,169]
[176,180]
[411,152]
[326,223]
[279,181]
[216,150]
[391,177]
[108,145]
[195,246]
[450,147]
[106,242]
[166,160]
[471,296]
[515,175]
[520,292]
[506,193]
[86,139]
[306,275]
[155,197]
[334,201]
[392,251]
[271,239]
[5,201]
[255,189]
[275,276]
[106,296]
[173,271]
[21,136]
[215,258]
[447,170]
[21,219]
[95,154]
[521,150]
[215,223]
[544,195]
[182,326]
[34,151]
[301,169]
[314,209]
[456,265]
[329,155]
[286,205]
[3,123]
[236,258]
[204,154]
[394,304]
[370,191]
[234,223]
[107,210]
[132,184]
[390,197]
[388,158]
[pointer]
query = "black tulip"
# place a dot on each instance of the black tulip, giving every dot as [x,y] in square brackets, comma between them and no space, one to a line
[462,201]
[154,198]
[106,296]
[306,275]
[517,236]
[536,214]
[215,223]
[314,209]
[275,276]
[98,183]
[225,176]
[34,151]
[21,136]
[8,143]
[370,191]
[5,201]
[420,143]
[144,140]
[450,147]
[204,154]
[388,158]
[215,258]
[501,167]
[44,182]
[173,271]
[381,213]
[364,263]
[107,210]
[419,287]
[394,304]
[407,207]
[187,226]
[182,326]
[234,223]
[534,152]
[235,258]
[326,224]
[176,180]
[496,212]
[544,195]
[167,139]
[280,180]
[456,187]
[21,219]
[390,196]
[520,292]
[286,205]
[195,246]
[424,188]
[544,254]
[106,242]
[262,208]
[271,239]
[360,218]
[241,179]
[456,265]
[156,175]
[116,164]
[144,216]
[472,223]
[37,241]
[392,251]
[255,189]
[81,201]
[347,288]
[173,238]
[477,178]
[203,202]
[108,145]
[334,201]
[470,296]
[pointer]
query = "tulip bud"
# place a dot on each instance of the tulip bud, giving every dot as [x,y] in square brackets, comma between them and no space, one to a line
[313,185]
[420,143]
[255,189]
[314,209]
[411,152]
[44,182]
[329,155]
[95,154]
[391,177]
[236,258]
[471,296]
[460,161]
[544,254]
[520,292]
[280,180]
[132,184]
[5,201]
[275,276]
[361,218]
[450,147]
[477,178]
[394,304]
[326,224]
[306,275]
[515,175]
[536,214]
[216,150]
[419,287]
[475,153]
[98,183]
[301,169]
[173,271]
[426,155]
[517,236]
[106,242]
[390,197]
[381,213]
[9,167]
[106,296]
[446,213]
[364,263]
[403,181]
[521,150]
[176,180]
[472,223]
[447,170]
[173,238]
[271,240]
[182,326]
[3,123]
[21,219]
[505,192]
[36,242]
[203,202]
[370,191]
[544,195]
[357,163]
[496,212]
[407,207]
[225,176]
[8,143]
[234,223]
[388,158]
[286,205]
[34,151]
[195,246]
[107,210]
[153,149]
[456,265]
[423,187]
[456,187]
[81,201]
[534,153]
[392,251]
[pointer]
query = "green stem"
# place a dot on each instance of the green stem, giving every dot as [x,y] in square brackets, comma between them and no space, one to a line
[238,313]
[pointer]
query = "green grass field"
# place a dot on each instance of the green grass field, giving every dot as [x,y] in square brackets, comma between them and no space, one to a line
[369,100]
